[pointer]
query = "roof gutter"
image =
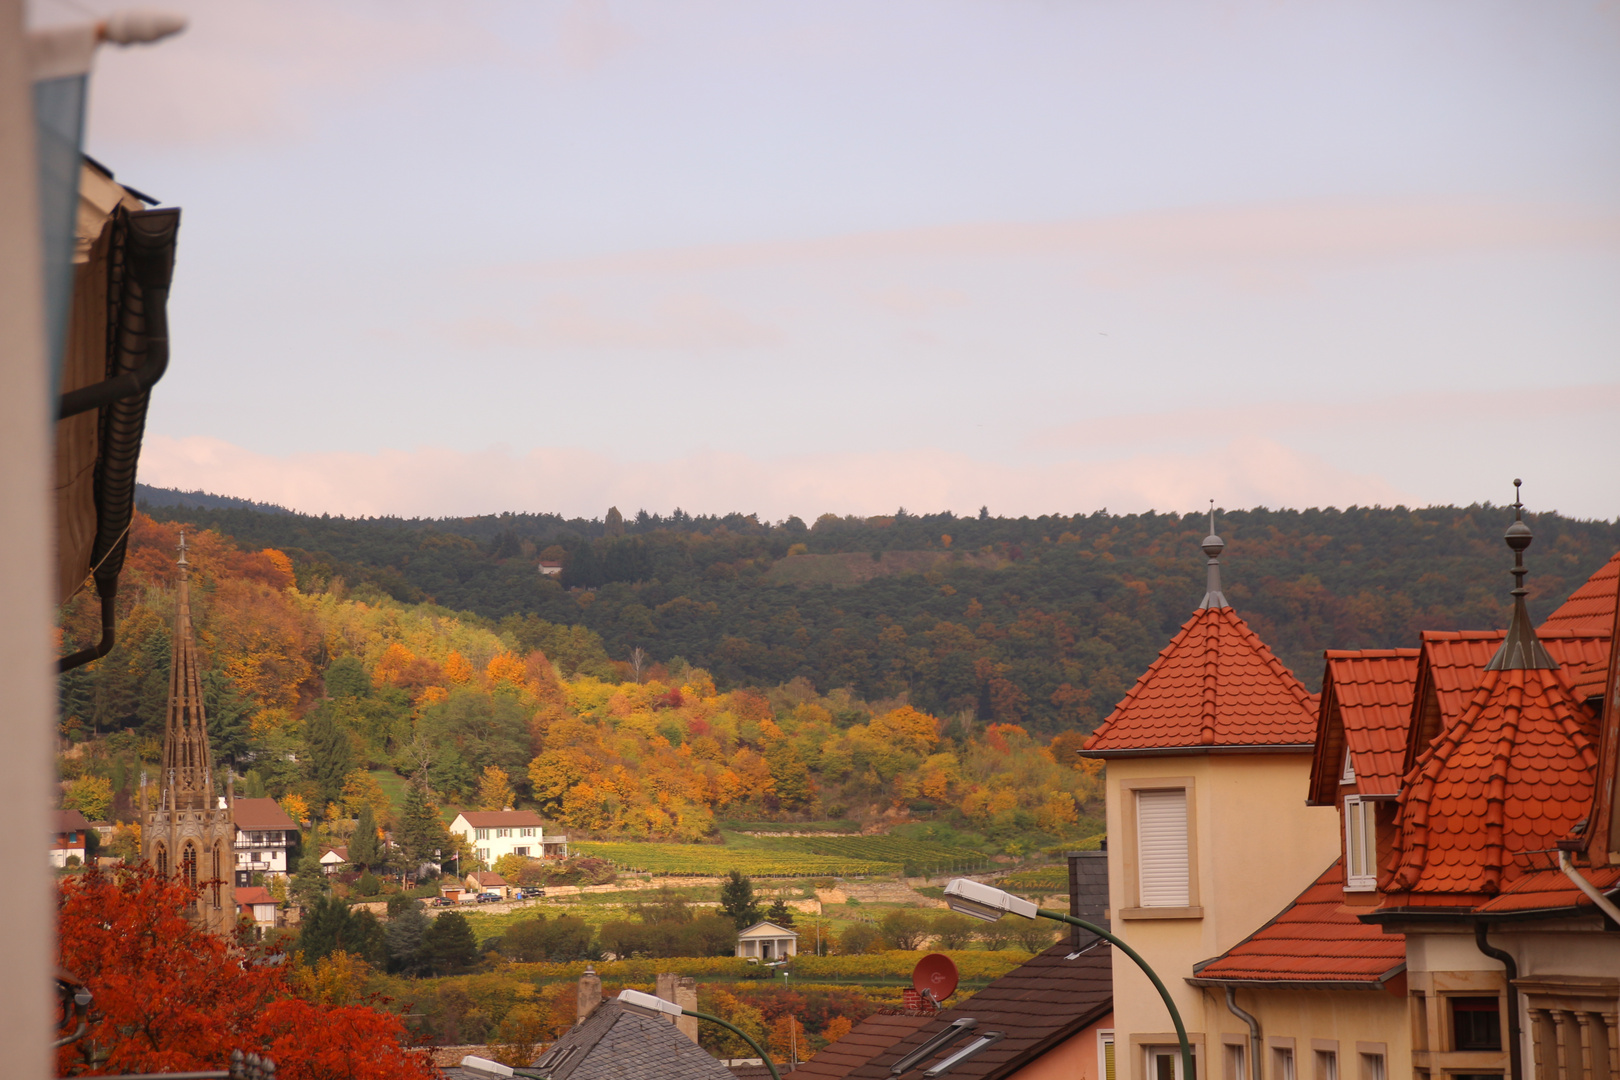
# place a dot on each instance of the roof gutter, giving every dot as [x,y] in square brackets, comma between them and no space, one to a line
[1302,984]
[1187,751]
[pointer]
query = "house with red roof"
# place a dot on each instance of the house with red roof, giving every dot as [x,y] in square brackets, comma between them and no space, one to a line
[1502,868]
[1208,759]
[1463,929]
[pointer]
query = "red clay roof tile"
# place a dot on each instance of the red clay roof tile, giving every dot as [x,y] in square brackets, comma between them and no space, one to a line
[1452,662]
[1590,608]
[1366,705]
[1542,890]
[1510,776]
[1317,938]
[1215,684]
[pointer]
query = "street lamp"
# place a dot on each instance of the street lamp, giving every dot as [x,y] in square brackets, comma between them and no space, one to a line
[989,903]
[658,1004]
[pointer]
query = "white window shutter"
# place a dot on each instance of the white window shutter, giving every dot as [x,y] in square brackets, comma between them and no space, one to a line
[1161,847]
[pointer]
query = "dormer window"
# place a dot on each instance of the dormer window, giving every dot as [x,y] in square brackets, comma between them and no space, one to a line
[1348,776]
[1360,845]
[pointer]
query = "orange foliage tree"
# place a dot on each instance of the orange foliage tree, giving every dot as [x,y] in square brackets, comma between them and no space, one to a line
[170,996]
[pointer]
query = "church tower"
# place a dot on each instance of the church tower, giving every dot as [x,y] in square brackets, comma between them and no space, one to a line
[189,832]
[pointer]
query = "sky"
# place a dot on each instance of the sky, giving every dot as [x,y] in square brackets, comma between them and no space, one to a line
[1045,256]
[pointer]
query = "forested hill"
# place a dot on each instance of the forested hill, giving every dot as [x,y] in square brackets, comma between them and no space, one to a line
[1039,621]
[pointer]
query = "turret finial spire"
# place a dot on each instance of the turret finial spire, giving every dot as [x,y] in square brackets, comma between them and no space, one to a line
[1213,546]
[1521,650]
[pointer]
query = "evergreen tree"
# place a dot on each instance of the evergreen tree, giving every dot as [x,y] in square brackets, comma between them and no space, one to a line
[737,900]
[780,914]
[228,716]
[331,757]
[421,832]
[450,943]
[309,883]
[330,926]
[365,850]
[404,936]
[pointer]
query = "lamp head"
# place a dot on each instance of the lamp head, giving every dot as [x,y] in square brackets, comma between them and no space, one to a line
[648,1001]
[985,902]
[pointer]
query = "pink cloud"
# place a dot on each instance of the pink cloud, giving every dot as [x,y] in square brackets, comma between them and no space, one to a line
[437,481]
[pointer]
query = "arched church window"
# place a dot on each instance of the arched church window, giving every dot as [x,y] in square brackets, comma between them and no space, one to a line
[161,858]
[218,869]
[188,864]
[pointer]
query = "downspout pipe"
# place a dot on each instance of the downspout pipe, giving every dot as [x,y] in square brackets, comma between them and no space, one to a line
[1511,968]
[1254,1033]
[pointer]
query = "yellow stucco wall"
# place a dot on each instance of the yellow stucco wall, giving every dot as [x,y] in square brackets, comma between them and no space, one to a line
[1347,1022]
[1256,847]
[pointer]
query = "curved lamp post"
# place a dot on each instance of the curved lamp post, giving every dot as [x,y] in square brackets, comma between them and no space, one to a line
[658,1004]
[990,903]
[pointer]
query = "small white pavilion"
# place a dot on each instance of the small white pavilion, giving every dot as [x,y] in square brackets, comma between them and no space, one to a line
[767,941]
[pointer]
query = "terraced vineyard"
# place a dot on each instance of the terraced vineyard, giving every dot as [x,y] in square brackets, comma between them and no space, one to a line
[776,860]
[1047,879]
[917,858]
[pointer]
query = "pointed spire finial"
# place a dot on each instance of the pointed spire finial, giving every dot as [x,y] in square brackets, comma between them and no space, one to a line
[1521,650]
[1213,546]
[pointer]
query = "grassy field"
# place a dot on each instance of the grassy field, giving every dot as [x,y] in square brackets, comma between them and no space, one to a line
[772,858]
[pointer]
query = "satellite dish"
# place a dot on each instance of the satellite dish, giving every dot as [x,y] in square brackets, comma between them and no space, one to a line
[934,977]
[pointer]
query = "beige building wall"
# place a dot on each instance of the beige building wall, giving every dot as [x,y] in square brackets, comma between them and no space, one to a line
[1347,1023]
[1255,846]
[1075,1058]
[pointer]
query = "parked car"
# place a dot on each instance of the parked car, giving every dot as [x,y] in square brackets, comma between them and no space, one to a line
[531,894]
[489,898]
[441,901]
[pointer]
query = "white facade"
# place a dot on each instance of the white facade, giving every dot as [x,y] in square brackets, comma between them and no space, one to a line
[494,834]
[767,941]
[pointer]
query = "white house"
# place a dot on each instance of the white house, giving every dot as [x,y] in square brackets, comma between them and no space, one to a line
[264,832]
[69,837]
[550,569]
[494,833]
[256,903]
[334,859]
[767,941]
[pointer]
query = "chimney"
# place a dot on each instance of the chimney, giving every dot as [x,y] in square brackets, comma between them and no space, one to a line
[686,998]
[665,989]
[590,994]
[1088,893]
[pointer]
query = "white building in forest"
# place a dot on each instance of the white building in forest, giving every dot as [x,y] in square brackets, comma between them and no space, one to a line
[496,833]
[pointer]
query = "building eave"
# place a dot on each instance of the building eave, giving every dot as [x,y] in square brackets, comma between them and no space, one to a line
[1189,751]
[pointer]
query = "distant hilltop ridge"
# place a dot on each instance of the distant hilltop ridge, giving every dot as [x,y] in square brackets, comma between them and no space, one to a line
[148,496]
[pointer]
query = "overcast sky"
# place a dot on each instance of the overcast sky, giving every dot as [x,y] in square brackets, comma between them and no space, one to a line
[1044,255]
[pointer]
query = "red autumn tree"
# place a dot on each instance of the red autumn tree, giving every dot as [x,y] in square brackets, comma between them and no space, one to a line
[170,996]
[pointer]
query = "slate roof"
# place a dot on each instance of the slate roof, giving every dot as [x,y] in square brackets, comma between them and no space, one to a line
[1037,1005]
[1215,685]
[502,819]
[865,1041]
[1510,777]
[1366,706]
[618,1042]
[1590,608]
[1317,940]
[256,815]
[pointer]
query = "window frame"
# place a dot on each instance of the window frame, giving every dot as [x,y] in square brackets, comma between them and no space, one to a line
[1366,880]
[1107,1070]
[1133,907]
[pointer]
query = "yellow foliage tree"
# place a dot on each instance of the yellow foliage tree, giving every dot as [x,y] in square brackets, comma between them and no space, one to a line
[836,1028]
[457,669]
[360,788]
[336,979]
[297,807]
[495,789]
[787,1039]
[506,668]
